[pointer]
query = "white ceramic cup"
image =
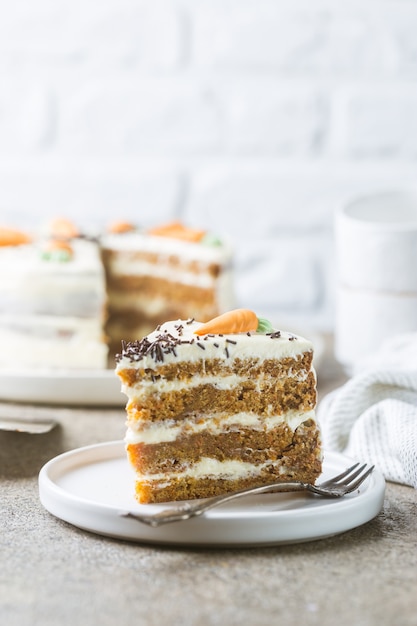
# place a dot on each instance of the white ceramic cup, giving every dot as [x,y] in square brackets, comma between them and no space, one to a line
[376,254]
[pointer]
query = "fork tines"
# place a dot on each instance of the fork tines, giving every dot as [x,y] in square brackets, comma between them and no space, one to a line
[348,475]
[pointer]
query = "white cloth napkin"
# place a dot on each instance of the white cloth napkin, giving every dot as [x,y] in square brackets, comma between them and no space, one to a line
[373,417]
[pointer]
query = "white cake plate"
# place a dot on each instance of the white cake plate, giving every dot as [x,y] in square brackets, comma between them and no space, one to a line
[93,487]
[64,387]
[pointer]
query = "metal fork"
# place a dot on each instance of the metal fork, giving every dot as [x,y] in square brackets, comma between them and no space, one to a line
[336,487]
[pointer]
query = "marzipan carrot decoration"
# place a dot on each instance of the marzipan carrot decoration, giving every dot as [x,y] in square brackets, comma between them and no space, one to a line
[177,230]
[12,237]
[236,321]
[61,227]
[119,227]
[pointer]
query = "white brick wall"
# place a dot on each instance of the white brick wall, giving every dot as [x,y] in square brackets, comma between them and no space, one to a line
[254,118]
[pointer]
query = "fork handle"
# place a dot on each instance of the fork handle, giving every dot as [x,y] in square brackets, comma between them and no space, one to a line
[187,511]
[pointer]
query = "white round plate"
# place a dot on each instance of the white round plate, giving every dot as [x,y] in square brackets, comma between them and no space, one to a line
[62,387]
[93,487]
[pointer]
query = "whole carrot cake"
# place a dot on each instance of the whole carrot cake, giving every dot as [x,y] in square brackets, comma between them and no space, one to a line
[218,407]
[68,297]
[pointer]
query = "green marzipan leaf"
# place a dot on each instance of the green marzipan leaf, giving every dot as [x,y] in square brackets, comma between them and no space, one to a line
[264,326]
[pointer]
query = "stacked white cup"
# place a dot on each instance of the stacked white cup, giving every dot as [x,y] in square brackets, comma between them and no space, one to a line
[376,248]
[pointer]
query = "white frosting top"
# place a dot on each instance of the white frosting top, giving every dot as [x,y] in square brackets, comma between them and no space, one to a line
[176,341]
[28,260]
[136,241]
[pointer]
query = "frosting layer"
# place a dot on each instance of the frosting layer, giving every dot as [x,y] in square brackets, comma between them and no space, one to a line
[176,341]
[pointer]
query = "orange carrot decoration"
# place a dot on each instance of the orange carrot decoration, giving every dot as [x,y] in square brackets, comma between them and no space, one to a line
[12,237]
[236,321]
[119,227]
[61,227]
[177,230]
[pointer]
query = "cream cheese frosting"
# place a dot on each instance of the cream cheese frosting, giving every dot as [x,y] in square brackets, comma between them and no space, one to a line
[208,467]
[29,284]
[167,246]
[176,341]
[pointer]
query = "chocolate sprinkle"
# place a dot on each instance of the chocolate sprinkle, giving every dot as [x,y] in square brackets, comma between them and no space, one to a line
[157,349]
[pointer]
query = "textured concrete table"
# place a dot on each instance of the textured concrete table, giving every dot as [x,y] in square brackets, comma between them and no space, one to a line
[53,574]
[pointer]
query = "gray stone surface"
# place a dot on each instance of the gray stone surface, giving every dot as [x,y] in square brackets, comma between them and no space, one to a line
[53,573]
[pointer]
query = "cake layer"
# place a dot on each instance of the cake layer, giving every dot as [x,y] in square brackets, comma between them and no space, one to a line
[151,492]
[149,286]
[251,366]
[245,445]
[274,396]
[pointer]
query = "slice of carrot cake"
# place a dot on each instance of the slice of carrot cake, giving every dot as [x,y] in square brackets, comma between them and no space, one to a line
[218,407]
